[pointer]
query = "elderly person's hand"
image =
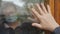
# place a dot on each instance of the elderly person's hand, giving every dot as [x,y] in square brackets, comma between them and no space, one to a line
[47,22]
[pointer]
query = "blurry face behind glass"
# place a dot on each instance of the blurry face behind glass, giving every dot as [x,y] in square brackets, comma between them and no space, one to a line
[8,11]
[10,14]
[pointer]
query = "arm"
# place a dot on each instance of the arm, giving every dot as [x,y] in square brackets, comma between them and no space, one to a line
[56,31]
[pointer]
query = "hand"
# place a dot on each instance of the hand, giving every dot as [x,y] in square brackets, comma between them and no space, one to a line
[47,22]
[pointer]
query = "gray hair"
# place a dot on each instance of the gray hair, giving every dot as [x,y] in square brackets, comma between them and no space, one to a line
[4,5]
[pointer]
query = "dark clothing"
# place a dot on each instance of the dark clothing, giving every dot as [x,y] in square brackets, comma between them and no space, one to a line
[25,28]
[56,31]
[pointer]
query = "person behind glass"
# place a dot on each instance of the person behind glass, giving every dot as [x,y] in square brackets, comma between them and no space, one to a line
[1,20]
[44,16]
[12,25]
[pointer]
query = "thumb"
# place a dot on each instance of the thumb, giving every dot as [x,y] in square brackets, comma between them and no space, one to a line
[37,25]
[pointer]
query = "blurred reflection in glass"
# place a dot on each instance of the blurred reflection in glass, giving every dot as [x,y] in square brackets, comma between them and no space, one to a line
[22,11]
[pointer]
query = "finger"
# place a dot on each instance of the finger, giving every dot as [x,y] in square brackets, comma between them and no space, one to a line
[40,10]
[37,25]
[44,8]
[33,13]
[36,13]
[35,17]
[49,10]
[33,20]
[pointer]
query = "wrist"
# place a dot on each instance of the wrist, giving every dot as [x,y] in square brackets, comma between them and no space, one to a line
[53,28]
